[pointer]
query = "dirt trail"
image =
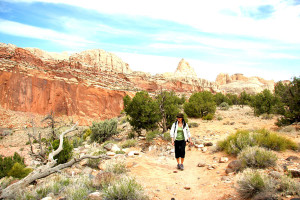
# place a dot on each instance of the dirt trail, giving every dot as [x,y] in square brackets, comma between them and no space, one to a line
[156,173]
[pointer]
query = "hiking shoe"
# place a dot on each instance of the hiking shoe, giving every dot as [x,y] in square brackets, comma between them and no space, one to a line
[181,167]
[178,166]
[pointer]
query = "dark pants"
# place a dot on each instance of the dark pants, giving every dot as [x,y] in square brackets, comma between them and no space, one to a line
[179,148]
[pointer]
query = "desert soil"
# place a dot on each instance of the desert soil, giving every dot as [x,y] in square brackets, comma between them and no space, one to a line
[157,171]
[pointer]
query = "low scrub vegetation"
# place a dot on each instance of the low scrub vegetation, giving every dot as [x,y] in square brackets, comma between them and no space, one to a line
[236,142]
[151,135]
[7,163]
[103,130]
[66,154]
[255,184]
[129,143]
[224,106]
[257,157]
[126,188]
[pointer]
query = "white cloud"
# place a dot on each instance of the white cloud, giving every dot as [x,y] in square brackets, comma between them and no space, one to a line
[207,16]
[23,30]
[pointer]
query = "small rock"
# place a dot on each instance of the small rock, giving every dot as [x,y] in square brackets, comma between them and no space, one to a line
[292,158]
[201,164]
[204,149]
[295,173]
[47,198]
[208,144]
[110,153]
[235,165]
[115,148]
[84,162]
[229,171]
[95,196]
[223,160]
[225,178]
[108,146]
[175,171]
[136,153]
[187,188]
[87,170]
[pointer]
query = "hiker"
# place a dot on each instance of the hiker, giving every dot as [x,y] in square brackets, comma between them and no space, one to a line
[180,135]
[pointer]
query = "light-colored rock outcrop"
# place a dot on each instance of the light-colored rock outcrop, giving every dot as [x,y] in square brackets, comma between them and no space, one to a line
[238,83]
[185,70]
[101,60]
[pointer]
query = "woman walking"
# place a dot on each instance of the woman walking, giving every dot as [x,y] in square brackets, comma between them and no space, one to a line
[180,134]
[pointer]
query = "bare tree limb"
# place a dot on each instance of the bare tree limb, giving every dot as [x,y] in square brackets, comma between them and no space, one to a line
[41,172]
[61,140]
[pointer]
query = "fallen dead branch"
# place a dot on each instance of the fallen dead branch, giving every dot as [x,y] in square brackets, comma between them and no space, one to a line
[45,170]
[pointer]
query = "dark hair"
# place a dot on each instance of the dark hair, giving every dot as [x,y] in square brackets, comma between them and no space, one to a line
[183,122]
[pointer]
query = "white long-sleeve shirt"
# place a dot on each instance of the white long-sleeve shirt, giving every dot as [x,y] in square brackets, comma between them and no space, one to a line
[186,131]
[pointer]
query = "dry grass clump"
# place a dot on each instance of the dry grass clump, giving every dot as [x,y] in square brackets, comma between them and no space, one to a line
[129,143]
[257,157]
[236,142]
[126,189]
[253,182]
[75,188]
[256,184]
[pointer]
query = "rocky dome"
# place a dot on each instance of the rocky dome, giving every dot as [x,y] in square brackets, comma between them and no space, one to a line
[238,83]
[185,70]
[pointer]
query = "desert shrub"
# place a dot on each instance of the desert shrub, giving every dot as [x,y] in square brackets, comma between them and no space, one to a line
[257,157]
[219,118]
[120,152]
[289,186]
[77,142]
[87,133]
[244,99]
[131,135]
[193,124]
[267,116]
[289,102]
[66,154]
[101,131]
[118,167]
[93,163]
[19,171]
[7,163]
[263,102]
[252,182]
[125,189]
[236,142]
[224,106]
[166,136]
[129,143]
[151,135]
[209,116]
[143,111]
[200,104]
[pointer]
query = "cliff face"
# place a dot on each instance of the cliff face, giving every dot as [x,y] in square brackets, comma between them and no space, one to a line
[90,85]
[237,83]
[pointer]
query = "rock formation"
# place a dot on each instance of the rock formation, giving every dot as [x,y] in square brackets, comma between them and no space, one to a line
[185,70]
[237,83]
[91,84]
[88,85]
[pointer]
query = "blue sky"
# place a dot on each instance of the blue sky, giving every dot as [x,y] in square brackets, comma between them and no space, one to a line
[256,38]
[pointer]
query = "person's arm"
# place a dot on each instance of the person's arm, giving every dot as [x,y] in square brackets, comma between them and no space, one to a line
[189,134]
[172,134]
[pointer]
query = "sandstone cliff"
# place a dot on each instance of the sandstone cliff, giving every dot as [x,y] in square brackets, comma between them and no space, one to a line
[89,85]
[237,83]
